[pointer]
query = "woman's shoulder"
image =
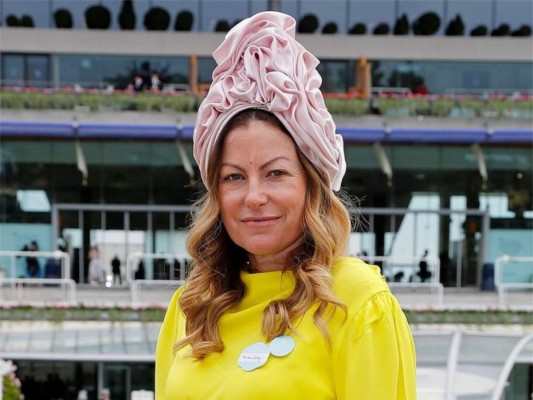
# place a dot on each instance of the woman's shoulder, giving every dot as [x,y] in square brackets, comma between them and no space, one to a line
[355,281]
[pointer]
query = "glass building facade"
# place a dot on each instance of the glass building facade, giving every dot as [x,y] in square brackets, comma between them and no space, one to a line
[343,13]
[139,185]
[467,205]
[99,71]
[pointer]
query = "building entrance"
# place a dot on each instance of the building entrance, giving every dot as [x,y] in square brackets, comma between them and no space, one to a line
[456,238]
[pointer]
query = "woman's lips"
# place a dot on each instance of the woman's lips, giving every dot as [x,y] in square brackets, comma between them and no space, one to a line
[259,221]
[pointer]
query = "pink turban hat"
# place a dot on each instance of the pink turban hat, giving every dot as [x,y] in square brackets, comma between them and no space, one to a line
[261,65]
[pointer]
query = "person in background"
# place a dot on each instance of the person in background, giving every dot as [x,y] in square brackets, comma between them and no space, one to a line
[96,274]
[423,268]
[273,308]
[155,82]
[138,83]
[115,269]
[140,273]
[33,267]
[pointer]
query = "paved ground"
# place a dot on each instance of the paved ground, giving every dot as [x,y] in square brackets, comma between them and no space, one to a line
[409,297]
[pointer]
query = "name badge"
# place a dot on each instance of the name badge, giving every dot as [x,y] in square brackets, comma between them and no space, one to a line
[256,355]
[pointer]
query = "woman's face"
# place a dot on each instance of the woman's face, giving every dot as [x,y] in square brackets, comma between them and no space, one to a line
[262,189]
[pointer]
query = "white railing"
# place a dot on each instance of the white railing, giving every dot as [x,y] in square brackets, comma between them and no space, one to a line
[401,273]
[137,285]
[501,285]
[444,365]
[63,257]
[19,284]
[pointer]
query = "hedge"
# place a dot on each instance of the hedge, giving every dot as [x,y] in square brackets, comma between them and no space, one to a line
[337,105]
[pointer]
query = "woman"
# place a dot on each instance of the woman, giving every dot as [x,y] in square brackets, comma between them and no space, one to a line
[272,309]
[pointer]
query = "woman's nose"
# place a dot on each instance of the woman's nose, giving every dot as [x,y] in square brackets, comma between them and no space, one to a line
[255,195]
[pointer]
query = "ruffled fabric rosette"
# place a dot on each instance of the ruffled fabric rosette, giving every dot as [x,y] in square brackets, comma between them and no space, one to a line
[261,65]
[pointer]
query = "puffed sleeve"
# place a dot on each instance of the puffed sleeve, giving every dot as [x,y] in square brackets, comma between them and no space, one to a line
[164,354]
[376,357]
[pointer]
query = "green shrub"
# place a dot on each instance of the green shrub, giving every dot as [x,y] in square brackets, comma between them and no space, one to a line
[11,387]
[98,17]
[127,17]
[381,29]
[456,27]
[330,28]
[524,30]
[480,30]
[308,24]
[12,20]
[222,26]
[358,29]
[156,19]
[63,18]
[347,107]
[502,30]
[401,26]
[184,21]
[394,106]
[427,24]
[26,21]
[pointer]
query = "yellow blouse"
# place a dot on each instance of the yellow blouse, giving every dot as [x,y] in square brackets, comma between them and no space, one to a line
[372,354]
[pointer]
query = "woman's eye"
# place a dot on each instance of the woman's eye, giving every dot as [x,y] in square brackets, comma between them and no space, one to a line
[232,177]
[277,172]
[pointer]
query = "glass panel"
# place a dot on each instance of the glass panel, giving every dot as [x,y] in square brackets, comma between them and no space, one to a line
[91,341]
[473,13]
[371,13]
[18,341]
[38,71]
[206,65]
[152,333]
[113,340]
[454,77]
[12,69]
[117,381]
[58,379]
[233,11]
[335,76]
[142,376]
[98,71]
[38,11]
[41,340]
[65,340]
[126,184]
[516,13]
[76,8]
[326,12]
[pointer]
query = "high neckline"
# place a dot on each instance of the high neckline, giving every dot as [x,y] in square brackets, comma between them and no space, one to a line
[263,287]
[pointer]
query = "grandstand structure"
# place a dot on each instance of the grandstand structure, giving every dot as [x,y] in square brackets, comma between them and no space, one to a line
[456,184]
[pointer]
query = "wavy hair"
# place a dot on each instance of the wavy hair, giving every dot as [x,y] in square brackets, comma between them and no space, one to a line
[214,285]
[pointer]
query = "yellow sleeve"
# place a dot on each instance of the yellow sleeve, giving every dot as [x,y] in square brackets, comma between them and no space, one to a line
[164,354]
[376,359]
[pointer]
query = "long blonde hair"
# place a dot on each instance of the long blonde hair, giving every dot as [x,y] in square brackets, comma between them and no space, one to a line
[214,285]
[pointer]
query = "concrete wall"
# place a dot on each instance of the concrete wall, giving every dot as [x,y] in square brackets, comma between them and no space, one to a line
[54,41]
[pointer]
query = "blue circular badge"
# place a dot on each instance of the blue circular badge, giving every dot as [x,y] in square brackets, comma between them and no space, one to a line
[282,345]
[254,356]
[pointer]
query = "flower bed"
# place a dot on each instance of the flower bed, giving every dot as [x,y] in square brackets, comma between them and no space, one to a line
[156,312]
[392,105]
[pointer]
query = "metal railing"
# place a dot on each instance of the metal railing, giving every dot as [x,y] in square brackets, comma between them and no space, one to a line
[502,286]
[19,284]
[392,267]
[445,360]
[136,286]
[64,265]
